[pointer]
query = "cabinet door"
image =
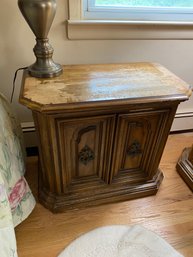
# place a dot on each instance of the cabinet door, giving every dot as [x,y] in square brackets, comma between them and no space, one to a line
[139,143]
[85,149]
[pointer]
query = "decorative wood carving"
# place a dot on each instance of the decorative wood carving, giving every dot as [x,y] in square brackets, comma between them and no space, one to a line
[83,131]
[142,132]
[73,136]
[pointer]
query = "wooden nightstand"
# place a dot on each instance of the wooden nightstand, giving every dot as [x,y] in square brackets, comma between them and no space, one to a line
[102,131]
[185,166]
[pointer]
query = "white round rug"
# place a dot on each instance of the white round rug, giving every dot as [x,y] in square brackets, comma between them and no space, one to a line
[120,241]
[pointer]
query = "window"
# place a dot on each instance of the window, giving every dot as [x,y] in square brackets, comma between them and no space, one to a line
[130,19]
[141,10]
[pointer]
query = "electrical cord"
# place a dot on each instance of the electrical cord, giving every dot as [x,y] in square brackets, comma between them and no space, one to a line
[15,76]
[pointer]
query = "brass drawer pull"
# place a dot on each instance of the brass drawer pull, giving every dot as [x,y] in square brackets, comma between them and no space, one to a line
[86,155]
[134,149]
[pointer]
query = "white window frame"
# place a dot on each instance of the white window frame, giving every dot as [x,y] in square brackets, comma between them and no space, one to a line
[81,26]
[90,12]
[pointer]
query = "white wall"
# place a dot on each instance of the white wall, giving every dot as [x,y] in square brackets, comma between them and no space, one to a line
[17,42]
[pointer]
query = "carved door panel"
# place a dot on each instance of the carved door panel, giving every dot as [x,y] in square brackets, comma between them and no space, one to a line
[135,145]
[85,149]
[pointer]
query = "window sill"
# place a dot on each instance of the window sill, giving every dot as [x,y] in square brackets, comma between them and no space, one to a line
[107,29]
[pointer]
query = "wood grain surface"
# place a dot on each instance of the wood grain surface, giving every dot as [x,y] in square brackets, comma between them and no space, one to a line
[87,84]
[169,213]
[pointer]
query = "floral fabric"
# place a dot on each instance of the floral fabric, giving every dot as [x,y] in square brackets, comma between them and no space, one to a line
[16,199]
[7,235]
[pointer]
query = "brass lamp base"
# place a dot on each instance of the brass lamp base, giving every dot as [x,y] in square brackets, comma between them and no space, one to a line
[48,72]
[44,67]
[39,15]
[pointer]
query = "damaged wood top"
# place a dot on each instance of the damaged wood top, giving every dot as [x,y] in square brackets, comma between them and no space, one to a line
[99,84]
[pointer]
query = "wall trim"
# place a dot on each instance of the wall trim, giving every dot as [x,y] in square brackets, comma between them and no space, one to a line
[183,121]
[184,114]
[107,29]
[28,126]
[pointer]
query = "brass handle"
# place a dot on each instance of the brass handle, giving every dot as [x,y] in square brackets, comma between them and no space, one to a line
[86,155]
[134,149]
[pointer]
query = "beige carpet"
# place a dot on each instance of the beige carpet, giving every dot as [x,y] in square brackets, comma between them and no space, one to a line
[120,241]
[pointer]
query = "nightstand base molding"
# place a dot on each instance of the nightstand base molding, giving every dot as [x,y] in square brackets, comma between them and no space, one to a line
[185,168]
[101,194]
